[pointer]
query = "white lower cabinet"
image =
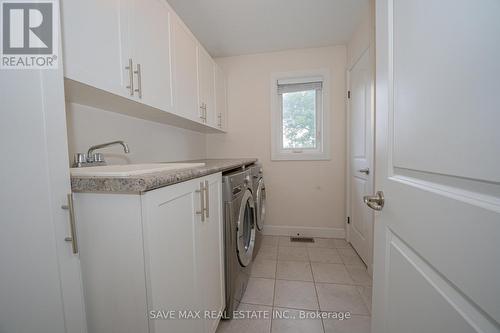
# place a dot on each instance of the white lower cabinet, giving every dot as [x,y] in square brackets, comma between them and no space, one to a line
[151,256]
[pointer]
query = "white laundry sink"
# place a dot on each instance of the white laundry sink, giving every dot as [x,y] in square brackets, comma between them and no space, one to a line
[130,169]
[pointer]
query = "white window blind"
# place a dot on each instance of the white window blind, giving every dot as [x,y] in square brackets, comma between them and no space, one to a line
[285,87]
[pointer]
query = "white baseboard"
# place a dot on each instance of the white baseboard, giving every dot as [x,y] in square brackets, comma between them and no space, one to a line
[278,230]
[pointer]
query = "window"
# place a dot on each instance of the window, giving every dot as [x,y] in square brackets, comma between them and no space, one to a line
[299,116]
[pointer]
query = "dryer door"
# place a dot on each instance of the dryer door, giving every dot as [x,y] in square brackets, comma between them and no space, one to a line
[260,202]
[246,229]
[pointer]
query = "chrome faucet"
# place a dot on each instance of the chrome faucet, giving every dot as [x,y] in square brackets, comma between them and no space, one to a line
[104,145]
[95,159]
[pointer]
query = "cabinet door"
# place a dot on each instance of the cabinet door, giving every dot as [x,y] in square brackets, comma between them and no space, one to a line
[220,98]
[184,71]
[95,43]
[170,219]
[210,251]
[150,42]
[109,233]
[206,82]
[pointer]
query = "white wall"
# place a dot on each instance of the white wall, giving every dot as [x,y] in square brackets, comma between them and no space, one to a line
[360,40]
[148,141]
[304,194]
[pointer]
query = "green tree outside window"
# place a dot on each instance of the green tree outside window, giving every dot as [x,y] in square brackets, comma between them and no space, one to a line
[299,120]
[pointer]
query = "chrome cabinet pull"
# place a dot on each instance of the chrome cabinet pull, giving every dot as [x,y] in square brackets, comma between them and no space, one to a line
[130,69]
[365,171]
[375,202]
[69,207]
[201,212]
[219,116]
[207,198]
[202,113]
[139,80]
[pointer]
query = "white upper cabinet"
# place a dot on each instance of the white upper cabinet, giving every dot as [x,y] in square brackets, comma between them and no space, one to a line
[150,44]
[140,50]
[96,43]
[184,70]
[206,84]
[220,98]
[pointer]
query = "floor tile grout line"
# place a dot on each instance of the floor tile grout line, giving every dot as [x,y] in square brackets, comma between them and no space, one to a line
[301,309]
[345,284]
[357,291]
[364,301]
[315,283]
[316,290]
[274,289]
[351,276]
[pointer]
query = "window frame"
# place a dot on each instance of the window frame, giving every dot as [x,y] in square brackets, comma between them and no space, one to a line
[322,150]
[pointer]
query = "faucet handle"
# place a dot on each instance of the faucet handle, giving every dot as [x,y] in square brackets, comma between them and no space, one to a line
[98,157]
[80,158]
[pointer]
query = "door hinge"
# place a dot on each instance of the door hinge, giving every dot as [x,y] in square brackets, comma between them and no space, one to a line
[349,94]
[348,220]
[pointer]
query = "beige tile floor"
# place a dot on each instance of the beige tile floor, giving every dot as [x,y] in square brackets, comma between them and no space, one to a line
[290,277]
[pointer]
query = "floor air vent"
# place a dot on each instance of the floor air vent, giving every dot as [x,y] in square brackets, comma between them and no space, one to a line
[302,239]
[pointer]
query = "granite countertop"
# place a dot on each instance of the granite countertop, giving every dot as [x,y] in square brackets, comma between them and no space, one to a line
[151,181]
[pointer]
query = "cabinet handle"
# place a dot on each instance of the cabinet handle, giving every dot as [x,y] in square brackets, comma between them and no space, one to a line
[139,80]
[130,69]
[201,212]
[207,198]
[202,114]
[219,116]
[72,224]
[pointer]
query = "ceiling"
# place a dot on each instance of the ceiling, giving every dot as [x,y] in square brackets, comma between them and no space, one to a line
[235,27]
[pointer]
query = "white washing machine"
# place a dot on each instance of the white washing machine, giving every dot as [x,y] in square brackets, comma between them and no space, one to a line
[259,194]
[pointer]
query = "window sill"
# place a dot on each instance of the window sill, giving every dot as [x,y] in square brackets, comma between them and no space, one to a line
[303,156]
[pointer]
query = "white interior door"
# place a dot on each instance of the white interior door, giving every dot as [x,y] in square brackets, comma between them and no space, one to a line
[437,162]
[361,161]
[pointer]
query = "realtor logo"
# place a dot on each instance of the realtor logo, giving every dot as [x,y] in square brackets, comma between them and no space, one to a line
[29,34]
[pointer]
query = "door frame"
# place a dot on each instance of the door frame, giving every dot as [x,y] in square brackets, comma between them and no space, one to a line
[371,52]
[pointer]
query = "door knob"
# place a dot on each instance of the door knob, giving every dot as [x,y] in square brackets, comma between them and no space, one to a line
[375,202]
[365,171]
